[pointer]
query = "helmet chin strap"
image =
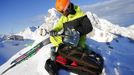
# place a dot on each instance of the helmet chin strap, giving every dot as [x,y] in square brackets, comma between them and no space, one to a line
[65,14]
[71,9]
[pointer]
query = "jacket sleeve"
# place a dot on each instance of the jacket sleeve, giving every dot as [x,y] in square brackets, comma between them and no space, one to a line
[56,40]
[82,24]
[59,25]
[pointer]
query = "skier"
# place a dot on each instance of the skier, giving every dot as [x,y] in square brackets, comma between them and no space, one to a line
[73,18]
[71,15]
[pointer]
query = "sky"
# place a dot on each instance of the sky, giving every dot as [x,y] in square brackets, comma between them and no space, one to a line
[16,15]
[116,11]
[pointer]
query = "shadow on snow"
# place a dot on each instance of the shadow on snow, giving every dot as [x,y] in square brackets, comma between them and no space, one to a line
[118,55]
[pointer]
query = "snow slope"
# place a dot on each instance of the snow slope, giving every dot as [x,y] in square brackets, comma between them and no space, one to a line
[9,47]
[113,42]
[131,27]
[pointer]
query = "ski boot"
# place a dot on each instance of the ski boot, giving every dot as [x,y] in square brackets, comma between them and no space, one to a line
[51,67]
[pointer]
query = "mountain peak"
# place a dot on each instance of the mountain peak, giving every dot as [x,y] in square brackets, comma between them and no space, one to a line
[102,24]
[32,29]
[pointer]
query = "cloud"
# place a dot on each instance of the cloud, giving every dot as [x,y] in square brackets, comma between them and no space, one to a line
[117,11]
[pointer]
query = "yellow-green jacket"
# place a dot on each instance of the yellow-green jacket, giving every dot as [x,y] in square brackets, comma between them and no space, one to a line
[56,40]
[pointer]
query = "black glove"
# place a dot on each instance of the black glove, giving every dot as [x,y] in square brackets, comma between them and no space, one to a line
[53,33]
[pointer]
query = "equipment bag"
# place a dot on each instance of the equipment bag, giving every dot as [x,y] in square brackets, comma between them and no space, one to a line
[87,62]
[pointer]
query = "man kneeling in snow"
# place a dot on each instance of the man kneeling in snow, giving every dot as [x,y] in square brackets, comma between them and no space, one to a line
[73,18]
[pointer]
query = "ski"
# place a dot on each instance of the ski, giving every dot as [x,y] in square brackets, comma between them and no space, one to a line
[7,69]
[27,55]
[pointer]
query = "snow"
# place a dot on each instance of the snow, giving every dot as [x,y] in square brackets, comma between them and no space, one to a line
[28,33]
[117,54]
[107,26]
[51,19]
[113,42]
[9,47]
[131,27]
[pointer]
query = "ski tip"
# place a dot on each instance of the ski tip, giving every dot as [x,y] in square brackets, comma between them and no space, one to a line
[2,73]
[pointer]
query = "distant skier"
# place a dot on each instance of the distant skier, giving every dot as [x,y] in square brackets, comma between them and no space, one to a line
[74,19]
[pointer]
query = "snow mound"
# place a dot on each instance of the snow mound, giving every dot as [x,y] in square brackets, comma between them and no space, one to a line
[28,32]
[51,19]
[131,27]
